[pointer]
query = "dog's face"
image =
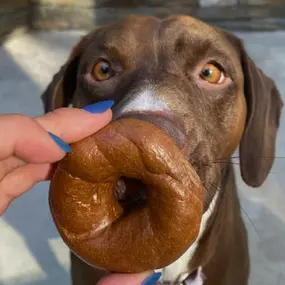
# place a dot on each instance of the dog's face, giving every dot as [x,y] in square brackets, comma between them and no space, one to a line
[193,81]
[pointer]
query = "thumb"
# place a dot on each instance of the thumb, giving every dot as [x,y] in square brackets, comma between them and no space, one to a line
[146,278]
[69,124]
[72,124]
[28,139]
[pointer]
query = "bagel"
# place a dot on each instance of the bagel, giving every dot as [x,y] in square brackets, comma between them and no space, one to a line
[126,199]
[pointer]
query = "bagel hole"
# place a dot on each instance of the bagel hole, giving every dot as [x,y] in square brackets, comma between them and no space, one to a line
[130,193]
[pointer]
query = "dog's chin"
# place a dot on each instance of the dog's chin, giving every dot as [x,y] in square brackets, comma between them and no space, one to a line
[167,123]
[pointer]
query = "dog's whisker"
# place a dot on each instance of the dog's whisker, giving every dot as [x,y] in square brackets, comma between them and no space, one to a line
[245,213]
[230,162]
[255,228]
[223,193]
[223,158]
[207,203]
[208,193]
[234,164]
[238,157]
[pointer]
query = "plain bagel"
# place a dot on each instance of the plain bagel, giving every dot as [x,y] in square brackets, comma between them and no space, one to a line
[125,199]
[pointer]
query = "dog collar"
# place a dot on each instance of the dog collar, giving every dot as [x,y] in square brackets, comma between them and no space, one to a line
[194,278]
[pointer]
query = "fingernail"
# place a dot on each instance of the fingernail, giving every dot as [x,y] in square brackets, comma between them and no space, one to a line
[62,144]
[152,279]
[100,107]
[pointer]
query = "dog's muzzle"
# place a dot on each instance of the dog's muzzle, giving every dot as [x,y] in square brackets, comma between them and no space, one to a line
[170,125]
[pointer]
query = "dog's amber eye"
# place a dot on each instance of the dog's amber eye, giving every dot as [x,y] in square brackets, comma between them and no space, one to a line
[102,70]
[212,74]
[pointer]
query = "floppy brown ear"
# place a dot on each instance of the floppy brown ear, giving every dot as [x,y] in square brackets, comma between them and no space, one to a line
[264,105]
[59,92]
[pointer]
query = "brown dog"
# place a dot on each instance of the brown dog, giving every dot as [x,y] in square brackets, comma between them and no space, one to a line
[198,84]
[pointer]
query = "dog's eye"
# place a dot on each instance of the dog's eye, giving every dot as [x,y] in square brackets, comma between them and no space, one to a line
[102,70]
[212,74]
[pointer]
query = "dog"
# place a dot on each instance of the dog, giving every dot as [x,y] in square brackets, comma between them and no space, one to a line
[199,78]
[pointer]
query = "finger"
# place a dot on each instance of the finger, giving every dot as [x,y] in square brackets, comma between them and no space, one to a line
[19,181]
[131,279]
[9,164]
[28,139]
[72,124]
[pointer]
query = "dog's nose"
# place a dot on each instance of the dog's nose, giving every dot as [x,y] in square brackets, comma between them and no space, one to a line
[167,123]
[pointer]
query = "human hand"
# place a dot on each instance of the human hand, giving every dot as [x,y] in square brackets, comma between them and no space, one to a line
[29,147]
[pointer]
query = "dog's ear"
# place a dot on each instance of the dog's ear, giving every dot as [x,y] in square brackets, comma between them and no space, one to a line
[264,105]
[59,92]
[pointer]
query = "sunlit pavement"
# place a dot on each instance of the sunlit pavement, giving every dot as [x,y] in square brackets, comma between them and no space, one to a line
[31,251]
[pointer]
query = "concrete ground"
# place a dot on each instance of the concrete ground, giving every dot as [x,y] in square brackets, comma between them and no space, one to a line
[31,251]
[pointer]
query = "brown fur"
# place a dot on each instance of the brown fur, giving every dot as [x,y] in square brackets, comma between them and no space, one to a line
[215,120]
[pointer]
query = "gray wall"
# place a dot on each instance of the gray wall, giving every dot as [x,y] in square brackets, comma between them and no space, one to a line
[13,16]
[85,14]
[233,14]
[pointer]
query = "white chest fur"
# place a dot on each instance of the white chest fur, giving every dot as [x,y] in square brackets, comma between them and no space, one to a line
[178,270]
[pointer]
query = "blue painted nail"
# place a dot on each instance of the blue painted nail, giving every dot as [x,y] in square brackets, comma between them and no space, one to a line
[100,107]
[152,279]
[62,144]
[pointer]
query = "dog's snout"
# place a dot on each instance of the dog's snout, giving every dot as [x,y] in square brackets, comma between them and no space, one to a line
[167,123]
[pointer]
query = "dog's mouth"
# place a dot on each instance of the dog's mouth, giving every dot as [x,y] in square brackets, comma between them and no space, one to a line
[167,123]
[130,193]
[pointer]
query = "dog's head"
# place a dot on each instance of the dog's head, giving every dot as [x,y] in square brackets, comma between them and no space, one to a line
[193,81]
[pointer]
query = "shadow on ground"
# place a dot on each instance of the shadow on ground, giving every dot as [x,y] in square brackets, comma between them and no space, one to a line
[26,228]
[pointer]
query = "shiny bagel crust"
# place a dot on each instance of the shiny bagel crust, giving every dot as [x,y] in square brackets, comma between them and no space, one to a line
[88,203]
